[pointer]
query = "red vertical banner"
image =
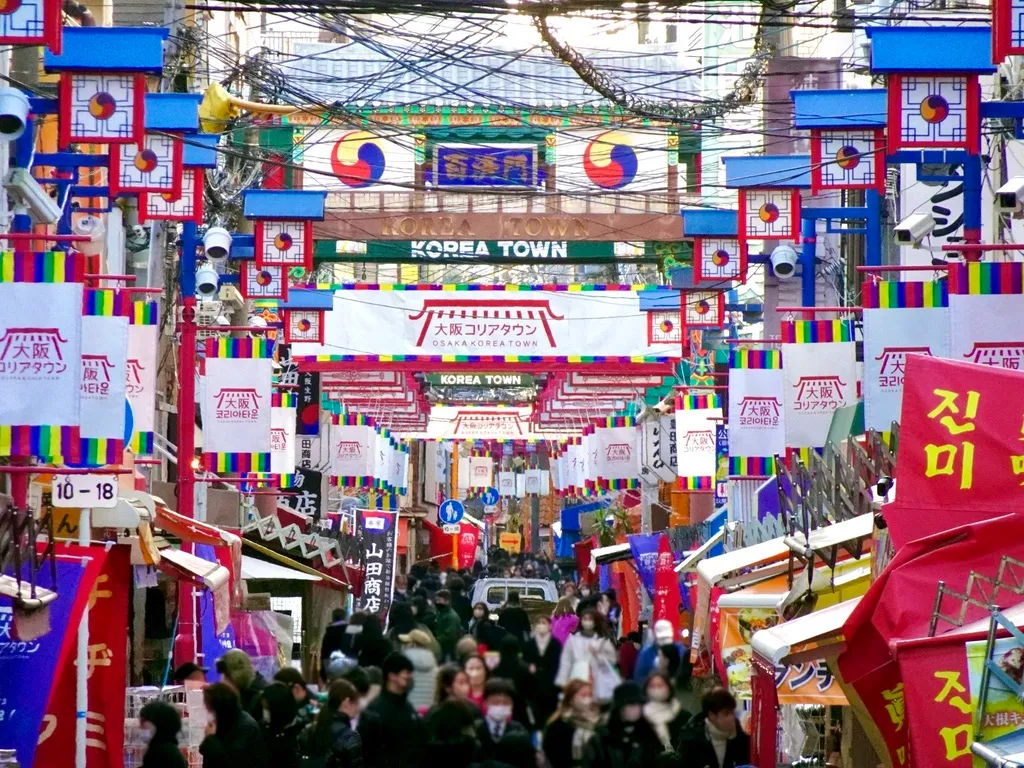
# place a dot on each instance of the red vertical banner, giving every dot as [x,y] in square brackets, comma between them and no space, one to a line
[469,535]
[667,598]
[106,676]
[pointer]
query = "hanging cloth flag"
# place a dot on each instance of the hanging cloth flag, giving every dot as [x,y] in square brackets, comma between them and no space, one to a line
[236,405]
[104,375]
[820,377]
[353,442]
[900,319]
[986,303]
[614,451]
[757,424]
[282,433]
[140,373]
[697,416]
[41,354]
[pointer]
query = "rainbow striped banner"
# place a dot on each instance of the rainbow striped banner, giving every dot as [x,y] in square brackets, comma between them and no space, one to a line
[283,400]
[386,501]
[142,443]
[41,267]
[696,483]
[353,481]
[99,451]
[237,463]
[986,278]
[267,480]
[804,454]
[459,287]
[816,331]
[239,348]
[756,359]
[751,466]
[43,442]
[626,484]
[894,294]
[106,302]
[144,313]
[697,402]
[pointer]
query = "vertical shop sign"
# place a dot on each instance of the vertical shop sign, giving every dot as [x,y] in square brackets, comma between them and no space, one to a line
[379,530]
[308,415]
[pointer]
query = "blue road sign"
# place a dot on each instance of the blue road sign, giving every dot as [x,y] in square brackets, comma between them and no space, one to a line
[490,497]
[451,512]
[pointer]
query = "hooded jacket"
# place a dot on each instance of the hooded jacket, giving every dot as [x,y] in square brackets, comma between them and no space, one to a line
[163,750]
[424,675]
[695,750]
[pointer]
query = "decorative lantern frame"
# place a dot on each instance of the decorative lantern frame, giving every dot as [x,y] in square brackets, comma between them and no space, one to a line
[103,82]
[32,22]
[932,83]
[304,325]
[770,186]
[155,166]
[198,153]
[283,222]
[1007,29]
[717,256]
[703,309]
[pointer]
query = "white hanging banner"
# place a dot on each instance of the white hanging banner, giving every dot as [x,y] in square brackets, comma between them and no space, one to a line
[236,405]
[506,484]
[104,362]
[282,440]
[463,473]
[381,458]
[521,486]
[352,450]
[615,452]
[757,423]
[140,374]
[480,471]
[533,481]
[695,441]
[987,329]
[819,379]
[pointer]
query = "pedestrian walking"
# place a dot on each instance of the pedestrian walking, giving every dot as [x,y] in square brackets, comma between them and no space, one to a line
[627,741]
[335,639]
[236,668]
[161,723]
[280,727]
[542,655]
[513,619]
[589,655]
[306,703]
[404,736]
[483,630]
[502,739]
[333,741]
[571,727]
[416,648]
[714,738]
[372,647]
[449,625]
[233,738]
[514,670]
[477,672]
[663,710]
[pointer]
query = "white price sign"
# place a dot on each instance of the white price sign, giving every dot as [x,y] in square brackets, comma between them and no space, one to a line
[94,491]
[452,529]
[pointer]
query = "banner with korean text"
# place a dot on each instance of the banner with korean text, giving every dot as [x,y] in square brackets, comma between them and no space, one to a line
[986,304]
[140,373]
[104,375]
[236,405]
[697,417]
[282,433]
[424,322]
[379,531]
[757,416]
[41,298]
[353,442]
[615,452]
[900,319]
[819,377]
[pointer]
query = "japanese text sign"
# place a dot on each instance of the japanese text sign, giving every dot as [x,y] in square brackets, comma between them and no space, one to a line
[379,530]
[236,405]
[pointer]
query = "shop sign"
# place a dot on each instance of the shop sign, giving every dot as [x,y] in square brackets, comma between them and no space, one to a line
[518,251]
[480,379]
[467,165]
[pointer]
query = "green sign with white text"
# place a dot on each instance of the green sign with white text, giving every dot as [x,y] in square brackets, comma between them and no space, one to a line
[479,379]
[491,251]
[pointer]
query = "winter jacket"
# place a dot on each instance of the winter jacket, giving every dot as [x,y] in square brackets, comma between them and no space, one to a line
[403,734]
[563,626]
[576,656]
[339,742]
[514,747]
[449,630]
[515,621]
[463,609]
[486,632]
[336,638]
[424,675]
[614,746]
[235,744]
[282,745]
[163,750]
[647,661]
[371,733]
[695,750]
[544,694]
[558,743]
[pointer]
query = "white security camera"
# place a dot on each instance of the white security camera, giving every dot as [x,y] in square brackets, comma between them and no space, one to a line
[206,281]
[784,261]
[29,194]
[92,227]
[14,109]
[915,228]
[217,243]
[1010,196]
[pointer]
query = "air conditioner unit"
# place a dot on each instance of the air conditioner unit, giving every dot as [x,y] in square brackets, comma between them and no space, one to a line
[230,297]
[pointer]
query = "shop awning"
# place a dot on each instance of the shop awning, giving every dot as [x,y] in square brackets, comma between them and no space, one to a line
[291,564]
[714,569]
[689,563]
[261,569]
[782,642]
[187,529]
[182,565]
[608,555]
[829,536]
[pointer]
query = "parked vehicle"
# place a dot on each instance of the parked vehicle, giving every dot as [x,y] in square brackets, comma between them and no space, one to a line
[537,596]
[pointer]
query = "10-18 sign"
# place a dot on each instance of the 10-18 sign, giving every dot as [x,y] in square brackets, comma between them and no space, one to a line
[96,491]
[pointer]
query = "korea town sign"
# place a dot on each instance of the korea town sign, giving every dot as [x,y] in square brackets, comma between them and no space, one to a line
[480,379]
[525,251]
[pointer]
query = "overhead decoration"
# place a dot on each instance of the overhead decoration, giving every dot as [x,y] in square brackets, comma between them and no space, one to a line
[1007,29]
[283,243]
[697,417]
[33,22]
[820,376]
[900,319]
[282,433]
[614,453]
[613,160]
[339,160]
[41,297]
[485,165]
[282,237]
[665,327]
[236,405]
[703,309]
[198,153]
[768,188]
[104,375]
[986,302]
[769,214]
[717,255]
[757,416]
[304,325]
[140,373]
[150,166]
[103,82]
[264,282]
[353,442]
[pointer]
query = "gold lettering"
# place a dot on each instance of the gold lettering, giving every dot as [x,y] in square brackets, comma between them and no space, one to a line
[465,230]
[582,227]
[407,226]
[533,226]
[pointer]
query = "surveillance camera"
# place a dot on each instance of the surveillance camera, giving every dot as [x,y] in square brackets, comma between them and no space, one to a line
[217,243]
[14,108]
[1010,196]
[206,281]
[29,194]
[915,228]
[784,260]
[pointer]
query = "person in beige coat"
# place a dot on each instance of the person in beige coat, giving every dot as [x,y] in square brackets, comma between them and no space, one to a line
[589,655]
[417,647]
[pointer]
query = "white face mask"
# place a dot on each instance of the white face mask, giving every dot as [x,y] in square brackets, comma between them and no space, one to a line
[146,734]
[542,630]
[658,694]
[499,713]
[588,626]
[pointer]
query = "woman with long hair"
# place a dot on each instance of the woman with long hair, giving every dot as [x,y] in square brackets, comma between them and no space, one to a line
[485,631]
[571,726]
[280,728]
[564,619]
[452,683]
[332,735]
[663,710]
[476,671]
[587,652]
[232,736]
[511,667]
[627,740]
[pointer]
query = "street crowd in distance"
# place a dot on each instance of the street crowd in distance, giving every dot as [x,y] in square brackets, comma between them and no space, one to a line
[454,684]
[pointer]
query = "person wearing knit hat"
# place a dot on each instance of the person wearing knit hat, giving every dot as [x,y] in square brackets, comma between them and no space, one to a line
[627,739]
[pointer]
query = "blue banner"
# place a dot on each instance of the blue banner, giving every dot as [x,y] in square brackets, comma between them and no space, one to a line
[29,668]
[494,166]
[214,646]
[721,465]
[644,547]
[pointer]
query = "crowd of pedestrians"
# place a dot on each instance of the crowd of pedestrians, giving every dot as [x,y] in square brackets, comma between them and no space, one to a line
[451,684]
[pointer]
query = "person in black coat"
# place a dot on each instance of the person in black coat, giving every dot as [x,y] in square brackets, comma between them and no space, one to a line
[715,730]
[334,639]
[513,619]
[460,603]
[404,736]
[451,734]
[485,631]
[280,727]
[372,647]
[542,656]
[367,723]
[233,739]
[332,736]
[162,722]
[513,669]
[502,739]
[572,726]
[627,741]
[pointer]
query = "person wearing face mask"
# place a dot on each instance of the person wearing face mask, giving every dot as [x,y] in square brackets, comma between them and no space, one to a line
[233,739]
[627,741]
[485,631]
[542,655]
[502,739]
[571,726]
[160,726]
[514,670]
[663,710]
[714,738]
[476,671]
[280,728]
[333,741]
[664,653]
[449,625]
[366,723]
[588,644]
[403,733]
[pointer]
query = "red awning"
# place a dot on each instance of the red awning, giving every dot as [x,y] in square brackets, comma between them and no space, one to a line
[441,543]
